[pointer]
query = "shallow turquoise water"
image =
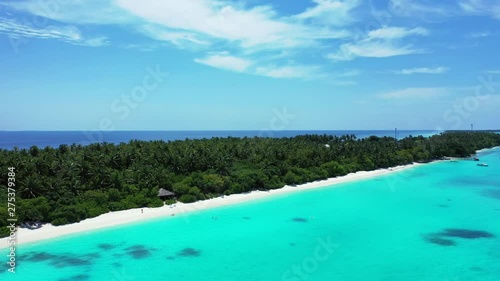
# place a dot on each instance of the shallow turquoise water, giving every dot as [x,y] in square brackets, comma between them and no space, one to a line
[387,228]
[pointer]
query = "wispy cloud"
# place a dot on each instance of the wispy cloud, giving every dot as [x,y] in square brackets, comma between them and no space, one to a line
[422,70]
[256,32]
[416,93]
[203,26]
[96,42]
[371,49]
[294,71]
[225,61]
[330,12]
[229,62]
[179,21]
[66,33]
[144,47]
[344,78]
[254,27]
[179,38]
[481,34]
[75,11]
[418,8]
[250,27]
[350,73]
[396,32]
[481,7]
[380,43]
[428,10]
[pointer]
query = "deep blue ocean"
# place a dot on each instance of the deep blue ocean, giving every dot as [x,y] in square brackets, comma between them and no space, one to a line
[26,139]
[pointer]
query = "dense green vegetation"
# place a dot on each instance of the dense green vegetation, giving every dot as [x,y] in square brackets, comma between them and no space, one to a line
[71,183]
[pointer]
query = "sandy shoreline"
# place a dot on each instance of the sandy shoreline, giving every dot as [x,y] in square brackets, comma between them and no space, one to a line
[134,215]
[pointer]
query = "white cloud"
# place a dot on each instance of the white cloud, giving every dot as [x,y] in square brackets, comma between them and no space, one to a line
[415,93]
[228,62]
[196,21]
[217,19]
[422,70]
[350,73]
[179,38]
[478,34]
[395,32]
[418,8]
[96,42]
[330,12]
[66,33]
[75,11]
[345,78]
[431,10]
[225,61]
[481,7]
[289,71]
[380,43]
[372,50]
[493,71]
[256,32]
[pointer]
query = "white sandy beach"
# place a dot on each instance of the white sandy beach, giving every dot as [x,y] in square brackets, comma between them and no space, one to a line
[135,215]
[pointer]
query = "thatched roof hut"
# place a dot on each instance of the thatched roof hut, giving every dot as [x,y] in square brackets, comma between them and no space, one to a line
[165,194]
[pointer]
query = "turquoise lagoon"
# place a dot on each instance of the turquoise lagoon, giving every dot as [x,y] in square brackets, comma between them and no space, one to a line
[439,221]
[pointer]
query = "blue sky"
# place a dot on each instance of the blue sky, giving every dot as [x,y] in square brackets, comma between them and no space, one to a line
[254,64]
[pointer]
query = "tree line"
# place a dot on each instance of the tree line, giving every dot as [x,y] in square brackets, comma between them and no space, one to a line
[74,182]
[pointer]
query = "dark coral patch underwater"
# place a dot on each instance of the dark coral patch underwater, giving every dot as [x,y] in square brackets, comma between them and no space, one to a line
[69,261]
[80,277]
[39,257]
[138,252]
[106,246]
[443,238]
[189,252]
[466,233]
[62,260]
[299,220]
[492,193]
[434,239]
[185,253]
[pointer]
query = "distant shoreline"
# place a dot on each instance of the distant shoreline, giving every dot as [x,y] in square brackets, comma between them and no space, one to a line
[53,139]
[131,216]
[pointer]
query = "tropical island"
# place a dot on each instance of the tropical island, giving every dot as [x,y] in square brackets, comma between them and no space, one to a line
[69,184]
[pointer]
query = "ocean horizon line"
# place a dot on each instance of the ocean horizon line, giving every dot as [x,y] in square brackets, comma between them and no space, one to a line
[239,130]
